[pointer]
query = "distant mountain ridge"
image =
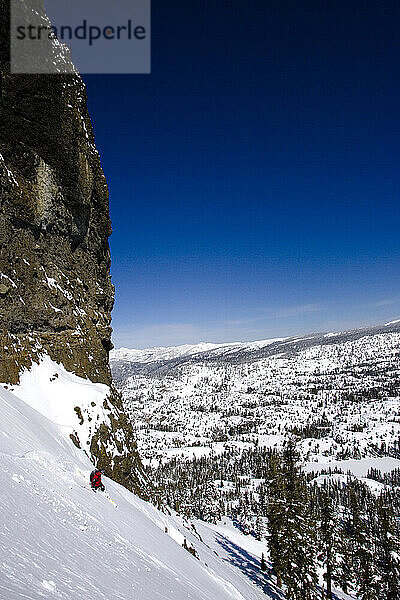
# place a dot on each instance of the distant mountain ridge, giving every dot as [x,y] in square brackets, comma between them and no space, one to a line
[185,350]
[125,361]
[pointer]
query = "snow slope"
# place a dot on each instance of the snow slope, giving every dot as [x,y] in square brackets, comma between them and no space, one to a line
[58,539]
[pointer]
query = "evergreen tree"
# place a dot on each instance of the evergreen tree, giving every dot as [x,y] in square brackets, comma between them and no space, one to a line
[388,549]
[276,514]
[291,540]
[344,573]
[260,527]
[328,537]
[263,565]
[362,516]
[300,575]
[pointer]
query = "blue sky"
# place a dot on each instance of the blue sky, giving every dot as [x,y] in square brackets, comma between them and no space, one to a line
[254,180]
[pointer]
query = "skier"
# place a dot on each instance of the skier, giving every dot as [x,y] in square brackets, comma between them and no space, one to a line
[95,480]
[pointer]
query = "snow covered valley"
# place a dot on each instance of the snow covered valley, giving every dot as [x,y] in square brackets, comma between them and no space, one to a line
[339,394]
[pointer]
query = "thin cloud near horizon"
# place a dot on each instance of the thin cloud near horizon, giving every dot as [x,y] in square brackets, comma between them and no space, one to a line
[278,324]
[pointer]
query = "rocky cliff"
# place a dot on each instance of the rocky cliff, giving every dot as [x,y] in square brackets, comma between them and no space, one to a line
[56,294]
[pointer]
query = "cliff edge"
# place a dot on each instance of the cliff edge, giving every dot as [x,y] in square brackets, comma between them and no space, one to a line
[56,294]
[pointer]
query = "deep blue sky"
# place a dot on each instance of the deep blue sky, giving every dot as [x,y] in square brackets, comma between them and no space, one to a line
[254,175]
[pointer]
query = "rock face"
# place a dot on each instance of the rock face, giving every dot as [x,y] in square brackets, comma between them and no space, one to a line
[55,289]
[56,294]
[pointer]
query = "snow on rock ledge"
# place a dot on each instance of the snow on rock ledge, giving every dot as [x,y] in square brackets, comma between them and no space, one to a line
[66,399]
[89,415]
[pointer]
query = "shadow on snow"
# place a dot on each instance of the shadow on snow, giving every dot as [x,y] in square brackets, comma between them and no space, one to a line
[250,567]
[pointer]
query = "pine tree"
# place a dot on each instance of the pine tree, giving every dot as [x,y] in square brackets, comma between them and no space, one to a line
[263,565]
[328,537]
[388,549]
[260,528]
[343,576]
[276,514]
[205,502]
[291,539]
[300,576]
[362,515]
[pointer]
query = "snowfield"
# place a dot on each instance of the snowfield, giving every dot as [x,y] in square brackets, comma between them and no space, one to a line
[59,539]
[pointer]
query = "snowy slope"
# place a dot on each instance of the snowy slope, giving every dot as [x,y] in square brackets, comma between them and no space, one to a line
[60,540]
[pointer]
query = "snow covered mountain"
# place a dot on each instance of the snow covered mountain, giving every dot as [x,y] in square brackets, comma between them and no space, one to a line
[162,354]
[127,361]
[60,540]
[338,392]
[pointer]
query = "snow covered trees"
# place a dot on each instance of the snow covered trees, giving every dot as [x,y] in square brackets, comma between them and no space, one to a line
[388,550]
[291,538]
[368,556]
[333,523]
[328,535]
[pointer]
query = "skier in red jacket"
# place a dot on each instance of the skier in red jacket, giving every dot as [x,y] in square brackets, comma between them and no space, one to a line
[95,480]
